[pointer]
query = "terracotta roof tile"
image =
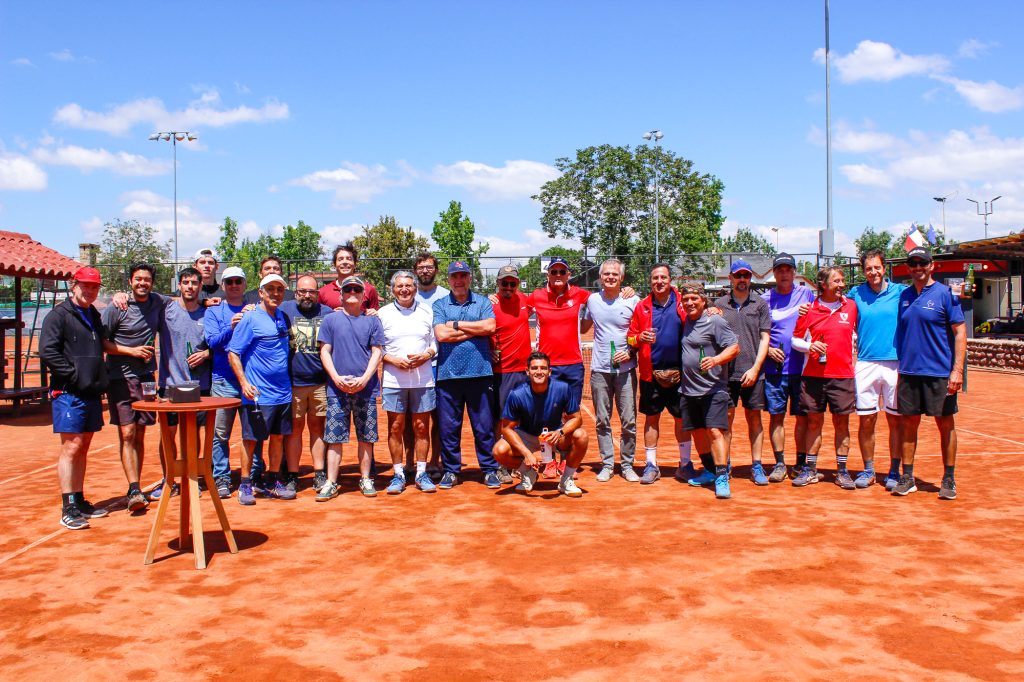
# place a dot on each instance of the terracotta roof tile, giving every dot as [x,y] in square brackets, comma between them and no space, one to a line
[22,256]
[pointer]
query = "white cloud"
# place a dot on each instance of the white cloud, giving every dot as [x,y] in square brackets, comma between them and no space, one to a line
[876,61]
[977,155]
[517,179]
[64,55]
[971,48]
[242,88]
[20,173]
[846,138]
[195,229]
[92,228]
[88,160]
[22,61]
[862,174]
[350,182]
[529,242]
[797,240]
[206,111]
[339,234]
[990,96]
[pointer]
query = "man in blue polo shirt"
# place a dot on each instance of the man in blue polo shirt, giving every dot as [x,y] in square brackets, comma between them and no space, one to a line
[877,367]
[463,324]
[931,342]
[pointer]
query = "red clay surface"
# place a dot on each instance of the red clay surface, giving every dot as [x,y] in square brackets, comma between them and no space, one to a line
[629,582]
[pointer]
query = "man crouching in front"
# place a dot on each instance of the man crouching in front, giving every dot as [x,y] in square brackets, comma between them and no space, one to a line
[538,418]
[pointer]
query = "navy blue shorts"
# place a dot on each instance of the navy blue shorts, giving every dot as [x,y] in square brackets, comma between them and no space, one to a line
[504,382]
[262,421]
[343,410]
[780,389]
[72,414]
[709,411]
[572,375]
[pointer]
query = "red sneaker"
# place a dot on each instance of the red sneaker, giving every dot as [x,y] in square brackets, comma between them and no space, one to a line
[550,470]
[561,471]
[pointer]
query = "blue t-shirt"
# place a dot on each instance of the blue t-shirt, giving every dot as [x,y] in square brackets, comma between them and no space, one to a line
[438,292]
[261,342]
[535,411]
[785,310]
[876,320]
[352,340]
[218,330]
[179,329]
[924,337]
[307,368]
[611,323]
[472,357]
[665,319]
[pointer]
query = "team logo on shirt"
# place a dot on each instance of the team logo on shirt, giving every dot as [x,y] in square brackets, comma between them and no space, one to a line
[930,305]
[844,318]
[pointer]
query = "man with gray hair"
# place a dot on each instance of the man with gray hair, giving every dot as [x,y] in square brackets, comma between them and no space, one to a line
[613,372]
[408,386]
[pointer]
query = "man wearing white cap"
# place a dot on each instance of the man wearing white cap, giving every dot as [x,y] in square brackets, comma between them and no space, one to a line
[258,353]
[205,262]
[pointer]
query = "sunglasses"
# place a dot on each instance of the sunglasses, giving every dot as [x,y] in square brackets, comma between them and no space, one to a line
[231,281]
[558,273]
[741,275]
[917,263]
[351,290]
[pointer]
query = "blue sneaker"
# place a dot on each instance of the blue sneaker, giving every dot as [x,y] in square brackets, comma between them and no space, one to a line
[757,474]
[396,486]
[865,478]
[260,486]
[492,480]
[425,483]
[703,478]
[245,495]
[891,481]
[808,476]
[281,491]
[448,481]
[722,487]
[155,494]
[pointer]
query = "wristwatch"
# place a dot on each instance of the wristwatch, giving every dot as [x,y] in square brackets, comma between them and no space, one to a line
[455,325]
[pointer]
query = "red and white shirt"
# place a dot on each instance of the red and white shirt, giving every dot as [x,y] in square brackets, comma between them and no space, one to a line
[558,323]
[512,332]
[836,328]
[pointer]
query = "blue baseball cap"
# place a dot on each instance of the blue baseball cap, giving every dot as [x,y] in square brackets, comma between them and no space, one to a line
[740,266]
[558,260]
[458,266]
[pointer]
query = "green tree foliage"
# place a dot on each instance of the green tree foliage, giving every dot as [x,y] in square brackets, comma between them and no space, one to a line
[605,198]
[745,241]
[385,248]
[533,278]
[299,247]
[227,246]
[453,233]
[127,242]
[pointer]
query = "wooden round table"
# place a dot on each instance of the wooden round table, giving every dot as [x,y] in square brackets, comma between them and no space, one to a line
[188,464]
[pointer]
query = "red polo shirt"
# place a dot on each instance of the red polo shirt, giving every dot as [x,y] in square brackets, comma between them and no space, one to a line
[512,332]
[330,295]
[558,327]
[834,327]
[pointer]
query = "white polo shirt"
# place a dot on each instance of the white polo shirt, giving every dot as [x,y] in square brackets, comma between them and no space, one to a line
[407,331]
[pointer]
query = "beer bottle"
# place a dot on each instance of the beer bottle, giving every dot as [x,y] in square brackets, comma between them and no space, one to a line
[700,361]
[615,364]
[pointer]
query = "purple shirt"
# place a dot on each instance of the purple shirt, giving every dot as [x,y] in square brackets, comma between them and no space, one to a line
[784,309]
[352,340]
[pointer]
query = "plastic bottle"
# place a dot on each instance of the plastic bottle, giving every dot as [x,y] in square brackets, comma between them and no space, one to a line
[547,452]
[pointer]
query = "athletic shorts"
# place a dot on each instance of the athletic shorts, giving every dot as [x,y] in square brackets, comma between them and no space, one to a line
[409,400]
[121,393]
[172,417]
[72,414]
[709,411]
[259,422]
[917,395]
[655,398]
[752,396]
[838,395]
[533,442]
[504,382]
[572,375]
[309,400]
[342,411]
[780,389]
[876,379]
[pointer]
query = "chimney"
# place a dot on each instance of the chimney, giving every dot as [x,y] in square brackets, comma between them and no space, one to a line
[87,253]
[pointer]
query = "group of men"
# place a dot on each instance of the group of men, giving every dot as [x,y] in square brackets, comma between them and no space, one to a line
[306,363]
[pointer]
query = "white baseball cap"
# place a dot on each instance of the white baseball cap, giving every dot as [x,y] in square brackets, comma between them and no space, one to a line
[233,271]
[206,253]
[273,278]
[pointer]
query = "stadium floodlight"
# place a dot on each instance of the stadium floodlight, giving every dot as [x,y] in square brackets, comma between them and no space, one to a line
[175,136]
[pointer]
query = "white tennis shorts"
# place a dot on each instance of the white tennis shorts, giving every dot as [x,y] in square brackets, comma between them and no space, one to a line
[876,379]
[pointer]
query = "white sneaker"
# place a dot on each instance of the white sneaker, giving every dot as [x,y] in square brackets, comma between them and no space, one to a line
[630,474]
[605,474]
[568,487]
[529,478]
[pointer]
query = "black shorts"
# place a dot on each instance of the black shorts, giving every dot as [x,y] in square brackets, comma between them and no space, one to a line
[838,395]
[121,393]
[262,421]
[172,417]
[752,396]
[504,382]
[655,398]
[917,395]
[709,411]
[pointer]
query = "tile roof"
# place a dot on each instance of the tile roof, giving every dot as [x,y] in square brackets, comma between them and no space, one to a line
[22,256]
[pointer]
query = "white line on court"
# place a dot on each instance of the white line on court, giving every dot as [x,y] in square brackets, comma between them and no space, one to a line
[977,433]
[49,466]
[1001,414]
[26,548]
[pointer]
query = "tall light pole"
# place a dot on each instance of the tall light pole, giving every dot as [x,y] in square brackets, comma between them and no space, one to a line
[826,244]
[987,211]
[942,200]
[656,135]
[175,136]
[776,231]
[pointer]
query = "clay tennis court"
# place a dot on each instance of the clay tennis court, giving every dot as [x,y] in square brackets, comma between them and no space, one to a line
[659,582]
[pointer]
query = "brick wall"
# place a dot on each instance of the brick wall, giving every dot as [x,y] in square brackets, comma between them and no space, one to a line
[997,354]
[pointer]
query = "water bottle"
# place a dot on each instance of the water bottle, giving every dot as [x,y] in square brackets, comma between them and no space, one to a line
[547,453]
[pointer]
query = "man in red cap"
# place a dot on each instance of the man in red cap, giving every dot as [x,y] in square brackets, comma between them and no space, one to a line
[71,345]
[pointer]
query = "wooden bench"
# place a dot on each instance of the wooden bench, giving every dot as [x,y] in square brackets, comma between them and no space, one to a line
[17,395]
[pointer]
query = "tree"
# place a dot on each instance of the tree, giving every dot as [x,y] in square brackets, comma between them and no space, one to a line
[127,242]
[605,198]
[453,233]
[299,247]
[745,241]
[227,246]
[386,248]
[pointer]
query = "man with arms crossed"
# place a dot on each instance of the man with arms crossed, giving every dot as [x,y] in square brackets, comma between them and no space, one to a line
[825,333]
[258,354]
[931,342]
[350,348]
[408,392]
[542,412]
[707,344]
[71,345]
[309,381]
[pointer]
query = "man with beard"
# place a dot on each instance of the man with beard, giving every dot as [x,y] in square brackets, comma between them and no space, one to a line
[71,346]
[345,260]
[309,381]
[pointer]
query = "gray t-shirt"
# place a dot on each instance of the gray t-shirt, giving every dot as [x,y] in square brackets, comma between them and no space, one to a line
[179,329]
[611,322]
[133,327]
[747,322]
[713,334]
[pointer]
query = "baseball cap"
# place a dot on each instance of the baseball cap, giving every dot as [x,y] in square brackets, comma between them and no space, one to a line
[739,266]
[87,274]
[920,252]
[352,280]
[273,278]
[458,266]
[508,271]
[202,253]
[558,260]
[233,271]
[783,259]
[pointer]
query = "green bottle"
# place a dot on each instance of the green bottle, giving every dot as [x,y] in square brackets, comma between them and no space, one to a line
[615,365]
[700,361]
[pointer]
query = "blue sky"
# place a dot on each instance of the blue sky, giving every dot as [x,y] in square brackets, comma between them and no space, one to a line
[337,113]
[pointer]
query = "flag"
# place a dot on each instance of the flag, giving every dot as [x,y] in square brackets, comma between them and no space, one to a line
[933,237]
[914,239]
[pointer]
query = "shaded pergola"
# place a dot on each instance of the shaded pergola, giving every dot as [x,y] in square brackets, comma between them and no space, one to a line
[23,257]
[1009,248]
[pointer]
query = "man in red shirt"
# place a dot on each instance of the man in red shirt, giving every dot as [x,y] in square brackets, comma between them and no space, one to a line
[825,333]
[345,260]
[510,344]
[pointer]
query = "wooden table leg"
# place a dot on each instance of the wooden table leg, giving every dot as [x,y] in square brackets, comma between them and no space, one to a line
[207,467]
[170,473]
[186,492]
[192,466]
